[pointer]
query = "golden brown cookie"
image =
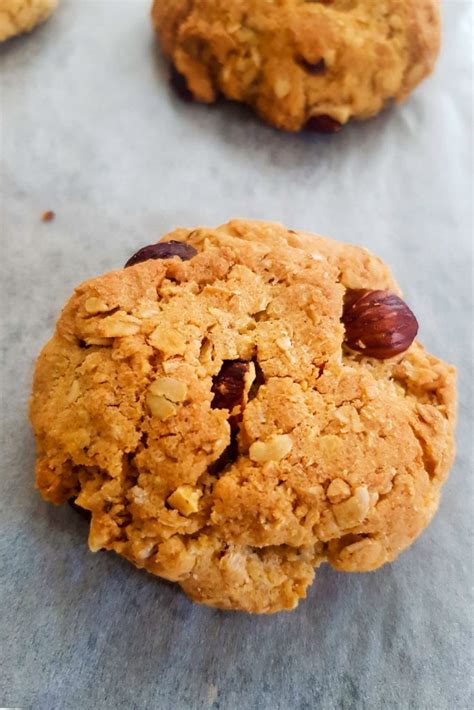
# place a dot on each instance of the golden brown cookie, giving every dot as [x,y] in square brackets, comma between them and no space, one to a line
[18,16]
[301,63]
[239,405]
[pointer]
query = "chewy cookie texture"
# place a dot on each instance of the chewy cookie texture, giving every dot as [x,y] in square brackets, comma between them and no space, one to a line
[301,63]
[239,405]
[18,16]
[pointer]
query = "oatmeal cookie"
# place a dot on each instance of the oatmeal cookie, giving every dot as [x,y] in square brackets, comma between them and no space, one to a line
[18,16]
[239,405]
[301,63]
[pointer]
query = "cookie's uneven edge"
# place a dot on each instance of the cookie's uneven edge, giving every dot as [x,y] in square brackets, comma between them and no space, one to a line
[301,65]
[20,16]
[341,458]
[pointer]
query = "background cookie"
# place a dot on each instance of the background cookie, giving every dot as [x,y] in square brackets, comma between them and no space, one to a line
[301,64]
[211,407]
[17,16]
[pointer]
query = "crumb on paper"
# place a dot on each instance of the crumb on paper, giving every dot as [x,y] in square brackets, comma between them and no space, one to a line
[211,694]
[48,216]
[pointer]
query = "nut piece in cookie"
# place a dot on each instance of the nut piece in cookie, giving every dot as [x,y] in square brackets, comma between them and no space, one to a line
[240,405]
[163,250]
[231,387]
[18,16]
[378,323]
[313,65]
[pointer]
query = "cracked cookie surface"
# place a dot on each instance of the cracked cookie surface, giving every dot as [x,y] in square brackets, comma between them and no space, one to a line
[18,16]
[321,454]
[300,63]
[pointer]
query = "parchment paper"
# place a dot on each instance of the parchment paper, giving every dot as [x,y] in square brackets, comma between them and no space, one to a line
[92,131]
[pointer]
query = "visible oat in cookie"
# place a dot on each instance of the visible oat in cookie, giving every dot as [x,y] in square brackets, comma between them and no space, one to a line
[300,64]
[211,417]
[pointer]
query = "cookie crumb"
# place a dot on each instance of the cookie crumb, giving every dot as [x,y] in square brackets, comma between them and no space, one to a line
[212,693]
[48,216]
